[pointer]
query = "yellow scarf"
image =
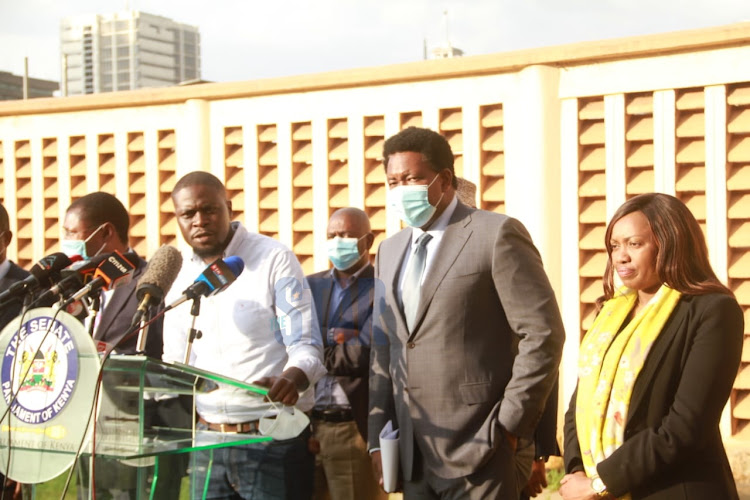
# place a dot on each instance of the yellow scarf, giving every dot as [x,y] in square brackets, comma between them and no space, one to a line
[608,366]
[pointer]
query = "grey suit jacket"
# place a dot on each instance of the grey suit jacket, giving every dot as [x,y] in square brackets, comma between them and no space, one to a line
[484,351]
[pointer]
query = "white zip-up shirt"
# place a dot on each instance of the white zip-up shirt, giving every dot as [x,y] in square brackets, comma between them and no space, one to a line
[258,326]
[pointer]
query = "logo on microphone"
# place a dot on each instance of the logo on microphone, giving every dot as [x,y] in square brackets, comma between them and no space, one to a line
[217,272]
[115,262]
[40,369]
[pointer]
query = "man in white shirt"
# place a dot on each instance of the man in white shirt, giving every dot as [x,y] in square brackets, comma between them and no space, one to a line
[259,330]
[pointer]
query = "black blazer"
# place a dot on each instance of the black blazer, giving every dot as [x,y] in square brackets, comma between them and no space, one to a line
[12,308]
[349,362]
[673,448]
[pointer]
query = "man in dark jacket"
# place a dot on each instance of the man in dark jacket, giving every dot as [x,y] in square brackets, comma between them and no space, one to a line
[9,274]
[94,224]
[99,224]
[9,271]
[343,302]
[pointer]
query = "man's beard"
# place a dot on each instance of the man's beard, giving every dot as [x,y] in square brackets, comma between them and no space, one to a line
[214,251]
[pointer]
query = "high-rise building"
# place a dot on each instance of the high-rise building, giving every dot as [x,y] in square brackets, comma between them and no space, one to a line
[125,51]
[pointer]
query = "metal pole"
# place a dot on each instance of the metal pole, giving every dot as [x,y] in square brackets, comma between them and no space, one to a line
[64,85]
[25,78]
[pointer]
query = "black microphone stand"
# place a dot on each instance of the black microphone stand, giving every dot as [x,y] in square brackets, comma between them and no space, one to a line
[93,311]
[27,300]
[193,333]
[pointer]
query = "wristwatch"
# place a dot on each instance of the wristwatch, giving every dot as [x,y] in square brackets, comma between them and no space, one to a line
[598,486]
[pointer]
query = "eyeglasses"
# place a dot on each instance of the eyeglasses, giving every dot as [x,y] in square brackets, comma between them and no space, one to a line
[73,235]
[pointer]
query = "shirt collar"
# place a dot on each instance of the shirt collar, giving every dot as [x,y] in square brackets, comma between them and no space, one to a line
[351,279]
[440,224]
[4,268]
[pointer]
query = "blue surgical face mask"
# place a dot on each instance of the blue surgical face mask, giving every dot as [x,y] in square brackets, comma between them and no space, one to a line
[412,204]
[78,247]
[343,252]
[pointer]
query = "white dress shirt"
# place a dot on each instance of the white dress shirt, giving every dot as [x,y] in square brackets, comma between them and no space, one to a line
[257,327]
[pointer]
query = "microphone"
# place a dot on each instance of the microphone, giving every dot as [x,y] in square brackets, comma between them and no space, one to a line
[158,278]
[216,277]
[43,273]
[80,273]
[114,271]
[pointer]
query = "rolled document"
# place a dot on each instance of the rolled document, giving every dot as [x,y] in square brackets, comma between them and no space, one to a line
[389,456]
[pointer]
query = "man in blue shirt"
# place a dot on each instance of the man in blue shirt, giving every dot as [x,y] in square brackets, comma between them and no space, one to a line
[343,298]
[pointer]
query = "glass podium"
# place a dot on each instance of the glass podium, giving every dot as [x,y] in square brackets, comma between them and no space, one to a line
[145,428]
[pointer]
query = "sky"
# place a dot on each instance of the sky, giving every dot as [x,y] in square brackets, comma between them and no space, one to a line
[252,39]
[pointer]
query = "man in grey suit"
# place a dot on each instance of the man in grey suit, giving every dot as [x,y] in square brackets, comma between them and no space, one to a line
[468,335]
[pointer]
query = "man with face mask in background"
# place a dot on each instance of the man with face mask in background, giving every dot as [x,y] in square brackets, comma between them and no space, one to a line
[343,301]
[95,224]
[98,224]
[467,335]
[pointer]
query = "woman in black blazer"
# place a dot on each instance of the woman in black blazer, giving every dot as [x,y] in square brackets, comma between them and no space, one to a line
[657,366]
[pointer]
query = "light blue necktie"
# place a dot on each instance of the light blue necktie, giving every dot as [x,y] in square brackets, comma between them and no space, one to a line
[413,279]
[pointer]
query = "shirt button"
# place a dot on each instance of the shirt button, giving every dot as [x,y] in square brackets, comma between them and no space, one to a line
[411,345]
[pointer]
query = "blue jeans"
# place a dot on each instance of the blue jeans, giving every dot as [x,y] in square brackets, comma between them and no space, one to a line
[268,470]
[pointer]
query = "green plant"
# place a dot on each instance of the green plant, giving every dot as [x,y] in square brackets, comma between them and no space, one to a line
[553,478]
[51,489]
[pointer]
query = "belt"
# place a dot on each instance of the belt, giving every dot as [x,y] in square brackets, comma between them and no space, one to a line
[241,428]
[333,414]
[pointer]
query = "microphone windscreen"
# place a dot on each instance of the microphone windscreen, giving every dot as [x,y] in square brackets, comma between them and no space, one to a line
[235,264]
[161,273]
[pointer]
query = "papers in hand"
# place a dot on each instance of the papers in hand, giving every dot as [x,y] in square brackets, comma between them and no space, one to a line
[389,456]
